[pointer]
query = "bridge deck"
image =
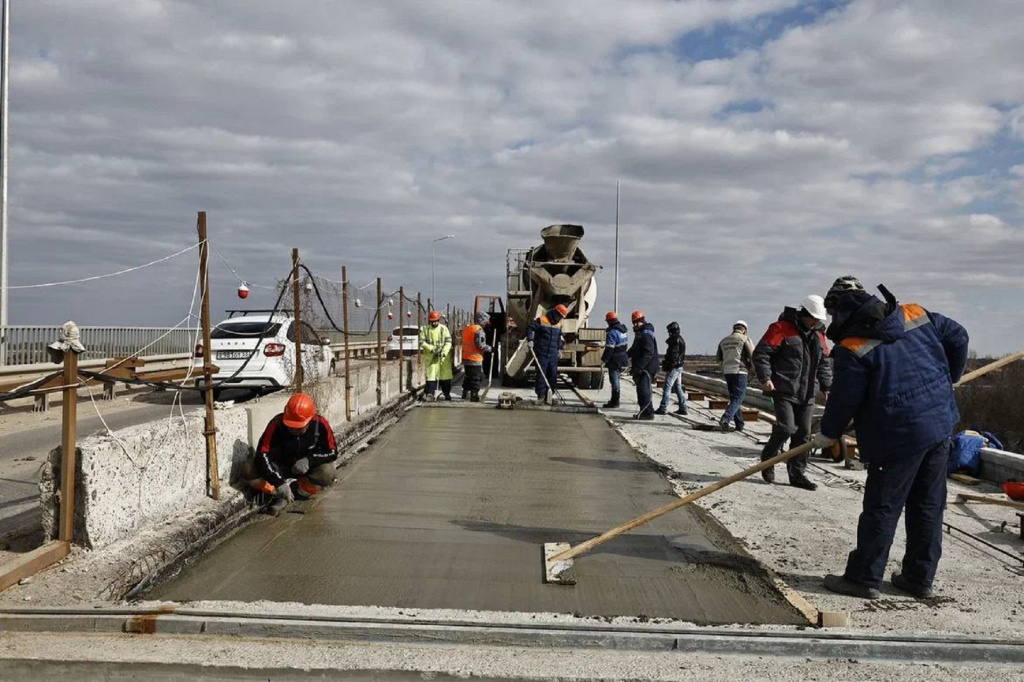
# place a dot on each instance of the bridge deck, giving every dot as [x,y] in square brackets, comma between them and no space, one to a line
[449,509]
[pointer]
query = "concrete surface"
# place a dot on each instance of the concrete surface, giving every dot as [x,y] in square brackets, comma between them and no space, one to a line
[449,509]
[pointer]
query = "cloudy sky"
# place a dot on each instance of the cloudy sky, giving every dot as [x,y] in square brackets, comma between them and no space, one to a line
[763,148]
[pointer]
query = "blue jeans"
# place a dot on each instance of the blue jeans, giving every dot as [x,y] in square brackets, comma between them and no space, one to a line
[673,384]
[614,378]
[915,485]
[737,385]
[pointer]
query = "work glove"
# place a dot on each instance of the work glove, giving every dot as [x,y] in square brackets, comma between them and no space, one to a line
[428,347]
[822,441]
[530,344]
[301,467]
[284,491]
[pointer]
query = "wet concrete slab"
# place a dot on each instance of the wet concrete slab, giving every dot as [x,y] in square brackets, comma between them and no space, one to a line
[450,508]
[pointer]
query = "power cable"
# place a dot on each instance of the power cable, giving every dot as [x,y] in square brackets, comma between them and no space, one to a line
[110,274]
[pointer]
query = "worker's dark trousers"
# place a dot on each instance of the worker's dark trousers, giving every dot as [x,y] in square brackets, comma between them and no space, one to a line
[737,385]
[792,421]
[918,483]
[474,377]
[644,394]
[549,369]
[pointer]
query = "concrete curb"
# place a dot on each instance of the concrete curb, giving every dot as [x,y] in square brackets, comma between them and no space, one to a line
[815,645]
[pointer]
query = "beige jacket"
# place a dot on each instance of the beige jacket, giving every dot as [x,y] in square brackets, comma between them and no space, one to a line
[735,353]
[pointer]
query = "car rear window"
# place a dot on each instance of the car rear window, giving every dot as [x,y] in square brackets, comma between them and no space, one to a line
[408,331]
[245,330]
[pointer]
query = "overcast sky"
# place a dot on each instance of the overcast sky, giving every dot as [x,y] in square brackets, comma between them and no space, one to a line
[764,147]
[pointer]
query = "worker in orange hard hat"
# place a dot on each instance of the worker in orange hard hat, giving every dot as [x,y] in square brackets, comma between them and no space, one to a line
[614,357]
[545,339]
[295,455]
[643,359]
[436,346]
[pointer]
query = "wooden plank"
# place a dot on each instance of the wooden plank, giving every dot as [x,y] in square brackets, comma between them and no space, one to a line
[32,562]
[718,403]
[751,415]
[964,498]
[965,479]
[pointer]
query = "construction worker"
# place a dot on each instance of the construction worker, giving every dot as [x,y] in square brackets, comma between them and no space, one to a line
[474,345]
[295,456]
[643,358]
[895,366]
[791,359]
[735,353]
[615,356]
[544,337]
[436,344]
[672,365]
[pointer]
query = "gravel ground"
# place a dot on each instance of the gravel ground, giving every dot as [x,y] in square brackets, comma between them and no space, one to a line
[805,535]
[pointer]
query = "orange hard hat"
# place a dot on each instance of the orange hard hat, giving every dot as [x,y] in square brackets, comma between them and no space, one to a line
[562,310]
[611,315]
[638,315]
[299,411]
[433,316]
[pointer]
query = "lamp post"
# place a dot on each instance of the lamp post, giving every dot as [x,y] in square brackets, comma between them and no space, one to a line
[433,295]
[5,55]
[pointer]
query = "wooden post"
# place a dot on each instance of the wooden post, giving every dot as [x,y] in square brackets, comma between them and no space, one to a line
[380,343]
[401,342]
[210,430]
[348,366]
[298,322]
[69,419]
[419,324]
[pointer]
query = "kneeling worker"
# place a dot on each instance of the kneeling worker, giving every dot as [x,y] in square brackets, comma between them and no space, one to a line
[295,455]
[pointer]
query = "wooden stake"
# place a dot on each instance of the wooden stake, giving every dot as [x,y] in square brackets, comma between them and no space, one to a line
[401,342]
[32,562]
[419,325]
[348,367]
[990,367]
[69,423]
[380,343]
[299,374]
[210,430]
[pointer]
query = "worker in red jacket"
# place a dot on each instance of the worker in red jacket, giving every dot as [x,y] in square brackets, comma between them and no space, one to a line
[295,455]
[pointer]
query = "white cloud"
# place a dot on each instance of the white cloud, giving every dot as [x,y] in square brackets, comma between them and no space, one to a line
[359,131]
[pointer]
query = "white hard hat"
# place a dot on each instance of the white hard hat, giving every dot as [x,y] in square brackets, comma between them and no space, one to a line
[740,323]
[815,307]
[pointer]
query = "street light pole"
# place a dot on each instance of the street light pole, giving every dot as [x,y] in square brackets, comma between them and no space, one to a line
[433,294]
[615,306]
[4,117]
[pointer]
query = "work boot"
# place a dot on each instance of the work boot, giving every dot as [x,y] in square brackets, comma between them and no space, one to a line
[739,428]
[474,397]
[277,506]
[614,402]
[681,410]
[841,585]
[644,416]
[464,394]
[448,397]
[802,482]
[661,410]
[913,589]
[768,475]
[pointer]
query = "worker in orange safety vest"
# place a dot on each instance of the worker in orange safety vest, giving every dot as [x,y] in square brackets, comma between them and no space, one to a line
[474,345]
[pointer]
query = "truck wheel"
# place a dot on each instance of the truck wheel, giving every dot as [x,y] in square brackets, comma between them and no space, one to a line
[582,381]
[597,381]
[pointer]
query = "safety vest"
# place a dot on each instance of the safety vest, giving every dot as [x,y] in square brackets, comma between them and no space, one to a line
[470,353]
[914,316]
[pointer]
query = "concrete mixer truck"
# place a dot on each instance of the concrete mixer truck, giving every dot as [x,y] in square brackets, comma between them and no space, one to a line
[538,279]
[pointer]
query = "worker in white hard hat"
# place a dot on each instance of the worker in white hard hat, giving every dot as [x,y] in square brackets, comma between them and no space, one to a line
[791,362]
[735,354]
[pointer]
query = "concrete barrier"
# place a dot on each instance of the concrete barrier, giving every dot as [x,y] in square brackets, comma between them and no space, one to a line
[754,397]
[149,474]
[1000,466]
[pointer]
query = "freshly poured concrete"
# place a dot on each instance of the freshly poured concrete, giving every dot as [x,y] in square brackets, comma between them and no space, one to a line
[450,508]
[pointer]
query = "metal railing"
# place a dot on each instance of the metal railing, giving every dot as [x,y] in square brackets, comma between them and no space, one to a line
[26,344]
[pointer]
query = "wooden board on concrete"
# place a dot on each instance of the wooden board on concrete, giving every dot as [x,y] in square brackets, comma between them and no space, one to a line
[964,498]
[718,403]
[32,562]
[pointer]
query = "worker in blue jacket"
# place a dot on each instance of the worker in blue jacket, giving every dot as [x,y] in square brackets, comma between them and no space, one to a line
[894,370]
[545,339]
[615,356]
[643,363]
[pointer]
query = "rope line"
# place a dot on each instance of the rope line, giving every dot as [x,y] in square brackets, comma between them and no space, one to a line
[109,274]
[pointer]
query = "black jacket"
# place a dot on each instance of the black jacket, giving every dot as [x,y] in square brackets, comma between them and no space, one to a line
[616,345]
[794,358]
[675,352]
[278,449]
[643,354]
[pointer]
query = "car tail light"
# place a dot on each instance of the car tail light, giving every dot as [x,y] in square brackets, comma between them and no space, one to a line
[273,350]
[199,350]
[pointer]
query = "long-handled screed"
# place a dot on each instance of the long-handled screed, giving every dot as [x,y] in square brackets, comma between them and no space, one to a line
[558,556]
[540,370]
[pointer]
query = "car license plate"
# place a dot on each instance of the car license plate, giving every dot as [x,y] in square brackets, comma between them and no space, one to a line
[233,354]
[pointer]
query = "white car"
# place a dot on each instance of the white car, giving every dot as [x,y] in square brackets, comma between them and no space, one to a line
[256,351]
[410,342]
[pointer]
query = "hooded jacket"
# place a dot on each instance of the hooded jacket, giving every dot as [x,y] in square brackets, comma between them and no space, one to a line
[546,336]
[643,354]
[895,366]
[675,352]
[793,358]
[616,346]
